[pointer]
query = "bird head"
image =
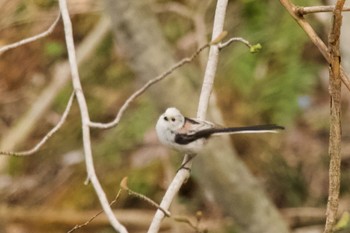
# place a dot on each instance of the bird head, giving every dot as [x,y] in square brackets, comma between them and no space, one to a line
[172,119]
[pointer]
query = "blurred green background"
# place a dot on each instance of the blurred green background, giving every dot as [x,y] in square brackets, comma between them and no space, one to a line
[284,83]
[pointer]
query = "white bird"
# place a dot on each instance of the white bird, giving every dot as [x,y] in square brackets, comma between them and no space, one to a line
[189,135]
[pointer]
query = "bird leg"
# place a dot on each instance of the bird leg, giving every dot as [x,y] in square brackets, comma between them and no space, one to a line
[183,165]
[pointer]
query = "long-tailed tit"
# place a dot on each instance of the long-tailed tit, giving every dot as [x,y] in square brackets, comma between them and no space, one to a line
[189,135]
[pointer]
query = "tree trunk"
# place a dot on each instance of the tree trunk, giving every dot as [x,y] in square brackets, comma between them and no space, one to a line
[219,170]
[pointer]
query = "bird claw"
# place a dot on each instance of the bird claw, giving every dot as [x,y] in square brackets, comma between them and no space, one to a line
[183,165]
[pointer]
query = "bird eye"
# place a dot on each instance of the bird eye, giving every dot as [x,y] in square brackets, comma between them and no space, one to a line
[166,118]
[172,119]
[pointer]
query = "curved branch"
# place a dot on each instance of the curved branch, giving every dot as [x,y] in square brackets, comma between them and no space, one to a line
[150,83]
[47,136]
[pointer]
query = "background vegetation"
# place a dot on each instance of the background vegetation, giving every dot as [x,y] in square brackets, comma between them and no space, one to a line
[284,83]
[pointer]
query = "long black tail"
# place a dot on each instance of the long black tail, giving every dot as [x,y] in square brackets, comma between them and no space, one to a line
[247,129]
[206,133]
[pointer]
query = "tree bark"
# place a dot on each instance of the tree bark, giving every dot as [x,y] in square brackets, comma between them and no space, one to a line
[219,170]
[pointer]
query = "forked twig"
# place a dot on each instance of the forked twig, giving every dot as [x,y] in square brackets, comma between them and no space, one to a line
[47,136]
[292,10]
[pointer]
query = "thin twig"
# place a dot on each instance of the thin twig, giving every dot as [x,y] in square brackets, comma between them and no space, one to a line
[317,9]
[292,10]
[335,118]
[96,215]
[253,48]
[187,221]
[150,83]
[174,7]
[60,76]
[234,39]
[85,119]
[47,136]
[124,185]
[194,226]
[31,39]
[160,77]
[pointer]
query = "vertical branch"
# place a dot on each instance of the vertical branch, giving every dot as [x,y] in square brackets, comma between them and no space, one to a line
[213,58]
[335,117]
[183,174]
[85,119]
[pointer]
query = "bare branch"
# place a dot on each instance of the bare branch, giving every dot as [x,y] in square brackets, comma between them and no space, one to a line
[317,9]
[31,39]
[85,119]
[47,136]
[335,118]
[183,174]
[292,10]
[124,185]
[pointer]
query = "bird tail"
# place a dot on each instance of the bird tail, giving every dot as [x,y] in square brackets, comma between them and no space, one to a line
[184,139]
[248,129]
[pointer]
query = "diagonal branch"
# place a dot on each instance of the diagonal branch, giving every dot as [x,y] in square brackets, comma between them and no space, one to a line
[31,39]
[150,83]
[183,174]
[47,136]
[96,215]
[335,118]
[293,11]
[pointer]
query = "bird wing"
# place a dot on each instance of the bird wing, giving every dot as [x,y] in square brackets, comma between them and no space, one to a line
[192,130]
[195,125]
[186,138]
